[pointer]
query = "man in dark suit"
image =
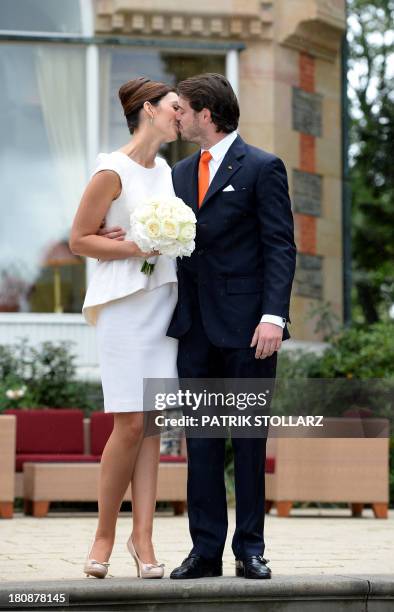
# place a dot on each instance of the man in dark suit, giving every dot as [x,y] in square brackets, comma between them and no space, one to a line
[233,306]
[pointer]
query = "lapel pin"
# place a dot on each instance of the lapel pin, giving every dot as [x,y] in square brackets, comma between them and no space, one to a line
[230,167]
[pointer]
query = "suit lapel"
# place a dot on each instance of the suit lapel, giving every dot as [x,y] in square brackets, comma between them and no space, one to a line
[189,178]
[190,182]
[229,166]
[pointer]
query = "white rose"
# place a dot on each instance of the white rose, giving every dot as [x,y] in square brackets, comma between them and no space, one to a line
[177,202]
[170,228]
[189,214]
[10,394]
[152,227]
[187,232]
[187,249]
[180,214]
[139,235]
[154,202]
[172,250]
[144,213]
[164,210]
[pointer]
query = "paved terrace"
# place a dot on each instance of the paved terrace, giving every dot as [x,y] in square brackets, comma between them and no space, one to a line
[321,560]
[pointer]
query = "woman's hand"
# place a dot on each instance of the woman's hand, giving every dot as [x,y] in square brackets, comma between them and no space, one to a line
[142,254]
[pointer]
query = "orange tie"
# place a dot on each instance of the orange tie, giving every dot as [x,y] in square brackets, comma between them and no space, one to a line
[203,175]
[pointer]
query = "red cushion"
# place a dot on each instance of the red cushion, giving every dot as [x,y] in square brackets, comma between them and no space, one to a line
[101,426]
[172,459]
[49,430]
[270,465]
[50,458]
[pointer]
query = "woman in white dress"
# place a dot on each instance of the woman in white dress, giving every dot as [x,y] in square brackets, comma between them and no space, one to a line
[131,312]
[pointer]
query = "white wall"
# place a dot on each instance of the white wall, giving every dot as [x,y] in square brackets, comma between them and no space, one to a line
[39,328]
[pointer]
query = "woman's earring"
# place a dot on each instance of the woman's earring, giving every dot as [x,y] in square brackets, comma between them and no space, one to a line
[151,120]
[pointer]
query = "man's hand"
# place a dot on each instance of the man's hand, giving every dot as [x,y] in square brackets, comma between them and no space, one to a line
[115,233]
[267,339]
[118,233]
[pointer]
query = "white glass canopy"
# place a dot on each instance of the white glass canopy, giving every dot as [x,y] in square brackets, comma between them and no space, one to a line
[58,16]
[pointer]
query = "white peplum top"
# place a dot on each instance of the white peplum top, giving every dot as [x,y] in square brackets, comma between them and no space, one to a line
[115,279]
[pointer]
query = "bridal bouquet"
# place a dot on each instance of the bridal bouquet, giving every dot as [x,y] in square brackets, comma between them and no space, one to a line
[164,225]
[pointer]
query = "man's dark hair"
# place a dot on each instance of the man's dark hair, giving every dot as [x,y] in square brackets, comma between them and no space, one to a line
[214,92]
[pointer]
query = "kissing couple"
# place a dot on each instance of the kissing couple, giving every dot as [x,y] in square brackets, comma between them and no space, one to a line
[220,313]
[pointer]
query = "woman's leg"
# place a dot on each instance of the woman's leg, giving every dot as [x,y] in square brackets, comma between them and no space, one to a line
[116,471]
[144,486]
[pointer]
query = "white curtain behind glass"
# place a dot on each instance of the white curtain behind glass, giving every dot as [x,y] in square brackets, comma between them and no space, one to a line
[118,65]
[105,105]
[41,166]
[60,80]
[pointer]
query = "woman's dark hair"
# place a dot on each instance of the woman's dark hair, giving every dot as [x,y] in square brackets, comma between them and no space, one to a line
[135,93]
[214,92]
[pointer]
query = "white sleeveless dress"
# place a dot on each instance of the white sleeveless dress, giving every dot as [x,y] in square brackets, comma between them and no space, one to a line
[132,311]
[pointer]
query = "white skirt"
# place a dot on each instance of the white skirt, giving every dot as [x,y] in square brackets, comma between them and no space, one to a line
[133,345]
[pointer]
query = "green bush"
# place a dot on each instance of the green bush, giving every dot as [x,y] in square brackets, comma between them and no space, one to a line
[359,352]
[15,394]
[355,352]
[43,377]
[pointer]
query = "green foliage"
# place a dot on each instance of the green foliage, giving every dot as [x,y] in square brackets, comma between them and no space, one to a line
[46,374]
[372,145]
[15,394]
[355,372]
[356,352]
[359,352]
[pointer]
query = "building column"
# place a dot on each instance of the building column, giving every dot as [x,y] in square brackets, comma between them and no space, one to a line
[92,102]
[232,69]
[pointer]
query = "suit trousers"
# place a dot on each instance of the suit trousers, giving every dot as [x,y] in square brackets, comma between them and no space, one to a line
[207,504]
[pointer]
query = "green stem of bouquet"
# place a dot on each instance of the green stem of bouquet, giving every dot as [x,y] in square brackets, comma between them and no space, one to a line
[147,268]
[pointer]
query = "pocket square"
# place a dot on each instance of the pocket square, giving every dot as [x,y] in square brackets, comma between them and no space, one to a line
[229,188]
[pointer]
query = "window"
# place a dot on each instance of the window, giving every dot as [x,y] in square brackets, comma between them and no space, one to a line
[118,65]
[42,174]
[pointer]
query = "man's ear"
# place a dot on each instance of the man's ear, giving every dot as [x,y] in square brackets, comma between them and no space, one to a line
[206,115]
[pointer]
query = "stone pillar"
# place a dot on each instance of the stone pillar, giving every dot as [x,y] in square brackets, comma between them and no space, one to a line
[308,136]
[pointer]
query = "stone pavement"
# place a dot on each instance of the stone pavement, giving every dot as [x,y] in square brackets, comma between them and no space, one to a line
[310,542]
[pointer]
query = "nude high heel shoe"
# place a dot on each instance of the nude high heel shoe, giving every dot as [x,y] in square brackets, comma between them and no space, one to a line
[95,568]
[145,570]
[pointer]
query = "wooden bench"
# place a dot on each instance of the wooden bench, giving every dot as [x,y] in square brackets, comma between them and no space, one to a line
[345,467]
[7,461]
[46,482]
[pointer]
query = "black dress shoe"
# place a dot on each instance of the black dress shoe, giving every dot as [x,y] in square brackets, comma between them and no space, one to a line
[195,566]
[252,567]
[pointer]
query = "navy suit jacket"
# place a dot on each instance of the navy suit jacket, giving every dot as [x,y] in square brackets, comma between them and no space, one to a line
[244,262]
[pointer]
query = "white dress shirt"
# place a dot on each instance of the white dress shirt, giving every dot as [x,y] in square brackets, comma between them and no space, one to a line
[218,151]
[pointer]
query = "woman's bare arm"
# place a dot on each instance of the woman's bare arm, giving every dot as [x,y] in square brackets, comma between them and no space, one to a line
[104,187]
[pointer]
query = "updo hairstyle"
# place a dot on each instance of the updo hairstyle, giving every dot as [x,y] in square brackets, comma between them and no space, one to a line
[135,93]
